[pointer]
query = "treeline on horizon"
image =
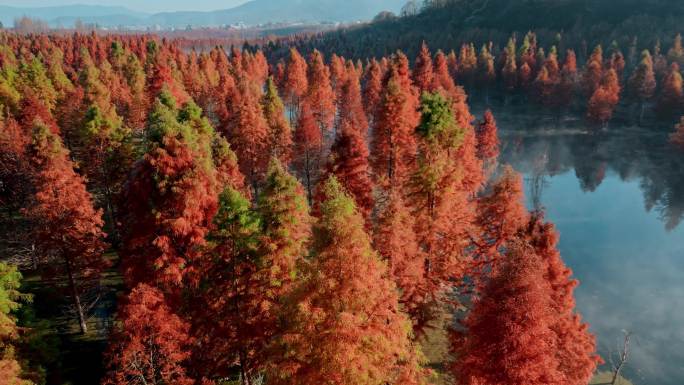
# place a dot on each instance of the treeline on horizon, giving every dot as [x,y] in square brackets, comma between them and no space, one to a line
[524,72]
[445,24]
[302,222]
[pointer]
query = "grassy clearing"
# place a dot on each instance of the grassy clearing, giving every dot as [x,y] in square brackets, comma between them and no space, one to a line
[604,378]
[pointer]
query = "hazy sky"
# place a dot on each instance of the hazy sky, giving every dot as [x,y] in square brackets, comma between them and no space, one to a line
[137,5]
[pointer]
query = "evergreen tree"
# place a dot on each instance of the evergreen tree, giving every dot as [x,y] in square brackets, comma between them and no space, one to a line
[576,346]
[605,98]
[10,301]
[169,199]
[280,138]
[422,70]
[67,230]
[517,298]
[672,92]
[643,81]
[344,325]
[677,137]
[320,95]
[151,343]
[393,143]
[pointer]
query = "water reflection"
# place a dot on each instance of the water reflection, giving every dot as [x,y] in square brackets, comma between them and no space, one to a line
[617,198]
[634,154]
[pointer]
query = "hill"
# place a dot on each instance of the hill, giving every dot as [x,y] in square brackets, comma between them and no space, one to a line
[264,11]
[447,23]
[251,13]
[65,15]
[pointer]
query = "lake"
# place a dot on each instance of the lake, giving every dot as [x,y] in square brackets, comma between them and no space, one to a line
[617,198]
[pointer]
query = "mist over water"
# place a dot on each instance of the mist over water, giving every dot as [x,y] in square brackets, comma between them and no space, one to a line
[617,198]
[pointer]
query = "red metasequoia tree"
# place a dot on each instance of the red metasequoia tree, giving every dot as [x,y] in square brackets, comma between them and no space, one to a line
[576,346]
[372,89]
[508,337]
[442,78]
[151,344]
[348,161]
[605,98]
[524,75]
[501,214]
[396,242]
[509,72]
[170,198]
[439,203]
[568,79]
[320,95]
[249,132]
[67,229]
[307,149]
[677,137]
[253,261]
[617,62]
[547,81]
[487,138]
[642,84]
[350,108]
[280,133]
[343,324]
[422,70]
[295,83]
[393,143]
[672,93]
[593,72]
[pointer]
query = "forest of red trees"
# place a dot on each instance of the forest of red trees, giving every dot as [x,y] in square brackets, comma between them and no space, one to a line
[299,222]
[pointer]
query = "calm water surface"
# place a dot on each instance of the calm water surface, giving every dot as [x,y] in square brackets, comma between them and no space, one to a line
[617,198]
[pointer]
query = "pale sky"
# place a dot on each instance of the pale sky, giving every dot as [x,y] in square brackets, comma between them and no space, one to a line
[136,5]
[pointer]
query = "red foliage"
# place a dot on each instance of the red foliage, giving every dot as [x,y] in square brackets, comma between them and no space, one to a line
[152,343]
[524,75]
[593,72]
[604,98]
[308,148]
[350,111]
[576,346]
[320,95]
[280,133]
[672,93]
[568,80]
[296,82]
[343,325]
[501,214]
[393,142]
[169,200]
[396,242]
[67,229]
[508,337]
[348,161]
[487,138]
[249,133]
[161,79]
[677,137]
[372,88]
[423,75]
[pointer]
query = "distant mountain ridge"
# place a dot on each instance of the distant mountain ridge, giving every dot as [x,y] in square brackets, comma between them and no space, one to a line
[251,13]
[55,14]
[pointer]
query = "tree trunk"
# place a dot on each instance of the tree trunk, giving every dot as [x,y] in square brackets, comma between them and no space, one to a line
[76,297]
[243,370]
[307,167]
